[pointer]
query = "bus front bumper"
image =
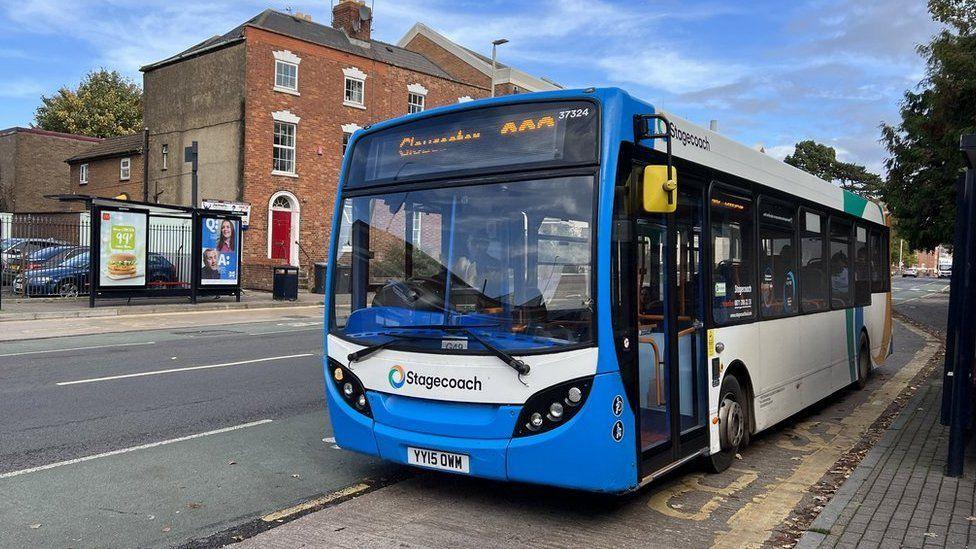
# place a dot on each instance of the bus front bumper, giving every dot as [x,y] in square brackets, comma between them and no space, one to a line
[581,454]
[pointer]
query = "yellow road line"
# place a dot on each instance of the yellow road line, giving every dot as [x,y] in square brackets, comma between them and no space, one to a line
[752,525]
[313,503]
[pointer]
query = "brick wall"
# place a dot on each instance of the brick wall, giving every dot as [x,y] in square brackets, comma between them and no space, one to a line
[8,170]
[104,178]
[39,169]
[319,134]
[449,62]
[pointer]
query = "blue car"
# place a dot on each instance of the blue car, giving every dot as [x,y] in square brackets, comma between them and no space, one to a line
[70,277]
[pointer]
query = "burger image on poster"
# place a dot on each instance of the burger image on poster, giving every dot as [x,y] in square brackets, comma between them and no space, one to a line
[123,249]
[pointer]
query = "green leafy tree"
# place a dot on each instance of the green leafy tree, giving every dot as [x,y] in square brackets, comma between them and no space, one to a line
[924,161]
[815,158]
[821,161]
[105,104]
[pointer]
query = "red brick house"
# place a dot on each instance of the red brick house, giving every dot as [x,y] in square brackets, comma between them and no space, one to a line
[112,168]
[272,104]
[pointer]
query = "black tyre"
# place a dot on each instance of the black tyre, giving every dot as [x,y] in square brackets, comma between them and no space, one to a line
[863,362]
[733,424]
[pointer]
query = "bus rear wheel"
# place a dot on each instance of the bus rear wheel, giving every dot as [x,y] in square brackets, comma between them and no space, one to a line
[863,363]
[733,424]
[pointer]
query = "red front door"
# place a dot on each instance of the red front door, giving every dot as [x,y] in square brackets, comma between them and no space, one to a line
[281,235]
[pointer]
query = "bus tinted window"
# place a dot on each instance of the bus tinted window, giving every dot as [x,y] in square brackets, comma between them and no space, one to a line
[732,277]
[841,290]
[777,260]
[862,267]
[877,271]
[487,140]
[813,272]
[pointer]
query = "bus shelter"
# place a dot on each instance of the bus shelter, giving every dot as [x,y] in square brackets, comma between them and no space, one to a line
[141,249]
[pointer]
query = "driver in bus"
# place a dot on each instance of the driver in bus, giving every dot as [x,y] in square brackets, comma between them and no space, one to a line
[478,268]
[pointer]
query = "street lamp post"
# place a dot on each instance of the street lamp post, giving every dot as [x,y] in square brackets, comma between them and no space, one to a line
[494,60]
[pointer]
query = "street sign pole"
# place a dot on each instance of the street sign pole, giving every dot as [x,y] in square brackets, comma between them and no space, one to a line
[191,154]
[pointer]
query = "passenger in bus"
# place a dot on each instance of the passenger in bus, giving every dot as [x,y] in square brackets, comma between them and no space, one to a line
[839,274]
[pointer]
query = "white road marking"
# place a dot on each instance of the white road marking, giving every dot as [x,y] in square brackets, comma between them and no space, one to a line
[187,369]
[132,449]
[292,331]
[78,348]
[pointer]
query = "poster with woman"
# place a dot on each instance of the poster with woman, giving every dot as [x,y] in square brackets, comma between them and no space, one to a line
[220,241]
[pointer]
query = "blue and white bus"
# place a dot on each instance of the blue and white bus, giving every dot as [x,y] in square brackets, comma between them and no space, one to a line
[575,288]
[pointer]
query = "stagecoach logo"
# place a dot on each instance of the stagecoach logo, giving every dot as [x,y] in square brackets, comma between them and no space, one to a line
[399,377]
[687,139]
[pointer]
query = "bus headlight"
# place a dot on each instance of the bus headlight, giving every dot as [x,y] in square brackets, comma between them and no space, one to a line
[349,387]
[552,407]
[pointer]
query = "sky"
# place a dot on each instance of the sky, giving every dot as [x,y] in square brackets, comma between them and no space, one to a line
[770,72]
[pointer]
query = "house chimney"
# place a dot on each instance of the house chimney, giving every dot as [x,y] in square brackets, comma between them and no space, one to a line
[303,16]
[352,17]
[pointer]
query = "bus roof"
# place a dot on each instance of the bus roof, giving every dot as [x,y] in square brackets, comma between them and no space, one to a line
[693,143]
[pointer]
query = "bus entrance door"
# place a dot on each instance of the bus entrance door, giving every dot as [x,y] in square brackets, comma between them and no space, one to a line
[671,374]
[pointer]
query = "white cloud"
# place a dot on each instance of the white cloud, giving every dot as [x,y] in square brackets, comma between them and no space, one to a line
[780,152]
[669,71]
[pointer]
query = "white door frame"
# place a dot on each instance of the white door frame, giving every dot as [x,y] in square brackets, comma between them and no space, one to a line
[295,211]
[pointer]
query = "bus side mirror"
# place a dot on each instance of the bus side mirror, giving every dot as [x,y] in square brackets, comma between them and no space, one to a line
[659,189]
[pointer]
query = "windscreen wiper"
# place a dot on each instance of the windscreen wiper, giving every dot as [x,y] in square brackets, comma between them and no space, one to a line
[519,366]
[356,356]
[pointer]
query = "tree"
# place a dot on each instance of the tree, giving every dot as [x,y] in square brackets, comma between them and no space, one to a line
[105,104]
[924,161]
[821,161]
[815,158]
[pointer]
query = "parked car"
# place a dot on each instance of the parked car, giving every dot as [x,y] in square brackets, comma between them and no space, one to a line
[37,259]
[14,256]
[70,277]
[910,271]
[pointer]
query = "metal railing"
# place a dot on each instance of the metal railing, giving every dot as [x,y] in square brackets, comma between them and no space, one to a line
[48,254]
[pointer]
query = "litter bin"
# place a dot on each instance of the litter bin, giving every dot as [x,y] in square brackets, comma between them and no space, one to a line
[318,286]
[285,284]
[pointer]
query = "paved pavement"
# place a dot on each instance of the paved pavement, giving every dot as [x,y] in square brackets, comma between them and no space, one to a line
[898,496]
[49,308]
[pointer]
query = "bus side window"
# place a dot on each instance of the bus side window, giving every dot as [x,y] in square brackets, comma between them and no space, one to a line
[862,267]
[841,291]
[877,262]
[813,270]
[732,266]
[777,260]
[886,260]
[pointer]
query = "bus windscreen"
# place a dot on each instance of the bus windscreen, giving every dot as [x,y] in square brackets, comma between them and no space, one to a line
[485,140]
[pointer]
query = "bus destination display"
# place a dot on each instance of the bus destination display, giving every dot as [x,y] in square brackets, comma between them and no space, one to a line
[499,138]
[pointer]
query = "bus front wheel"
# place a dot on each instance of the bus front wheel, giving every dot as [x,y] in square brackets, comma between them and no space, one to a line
[733,424]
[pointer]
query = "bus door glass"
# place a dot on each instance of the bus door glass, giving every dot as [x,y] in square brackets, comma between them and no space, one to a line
[672,377]
[690,325]
[653,378]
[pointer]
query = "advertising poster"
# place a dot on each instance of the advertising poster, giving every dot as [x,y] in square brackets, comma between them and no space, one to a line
[220,240]
[122,262]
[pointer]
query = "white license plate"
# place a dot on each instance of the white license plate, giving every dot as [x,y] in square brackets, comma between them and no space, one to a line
[435,459]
